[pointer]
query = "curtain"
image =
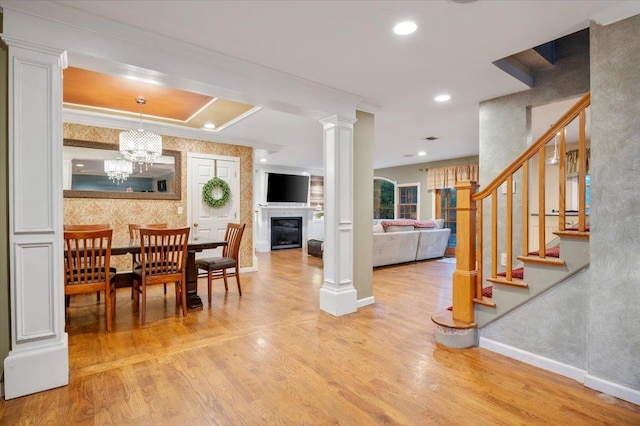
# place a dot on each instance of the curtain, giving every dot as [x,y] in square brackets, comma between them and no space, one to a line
[572,162]
[446,177]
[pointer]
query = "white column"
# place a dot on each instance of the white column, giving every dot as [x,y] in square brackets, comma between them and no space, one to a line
[39,358]
[338,296]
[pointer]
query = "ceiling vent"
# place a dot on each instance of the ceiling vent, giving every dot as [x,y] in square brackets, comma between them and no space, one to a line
[430,138]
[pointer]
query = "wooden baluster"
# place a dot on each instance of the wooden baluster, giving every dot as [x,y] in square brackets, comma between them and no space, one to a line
[509,230]
[582,172]
[479,251]
[541,207]
[465,275]
[494,233]
[562,181]
[525,208]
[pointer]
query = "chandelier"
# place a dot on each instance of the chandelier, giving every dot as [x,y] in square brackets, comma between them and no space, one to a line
[118,170]
[140,146]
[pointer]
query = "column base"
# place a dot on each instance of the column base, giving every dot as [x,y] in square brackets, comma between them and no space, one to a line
[338,302]
[35,370]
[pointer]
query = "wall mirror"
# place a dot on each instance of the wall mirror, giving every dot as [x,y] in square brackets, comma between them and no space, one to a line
[84,174]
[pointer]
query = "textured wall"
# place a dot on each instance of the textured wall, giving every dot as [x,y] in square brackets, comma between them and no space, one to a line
[553,325]
[614,339]
[120,212]
[505,125]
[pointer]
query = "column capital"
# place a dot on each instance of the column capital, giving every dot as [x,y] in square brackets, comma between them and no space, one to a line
[338,120]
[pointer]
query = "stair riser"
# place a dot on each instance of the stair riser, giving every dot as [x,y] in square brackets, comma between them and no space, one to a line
[539,277]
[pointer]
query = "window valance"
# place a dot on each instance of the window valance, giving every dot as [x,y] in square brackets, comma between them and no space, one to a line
[446,177]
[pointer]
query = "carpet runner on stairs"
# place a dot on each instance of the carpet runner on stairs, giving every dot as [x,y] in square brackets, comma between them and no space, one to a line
[486,292]
[515,273]
[550,252]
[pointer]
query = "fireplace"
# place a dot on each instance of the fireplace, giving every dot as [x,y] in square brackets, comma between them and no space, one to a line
[286,232]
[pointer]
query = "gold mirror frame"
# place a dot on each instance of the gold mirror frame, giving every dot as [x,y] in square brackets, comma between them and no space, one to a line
[71,193]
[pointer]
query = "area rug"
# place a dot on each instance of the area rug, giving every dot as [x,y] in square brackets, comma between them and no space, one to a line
[447,260]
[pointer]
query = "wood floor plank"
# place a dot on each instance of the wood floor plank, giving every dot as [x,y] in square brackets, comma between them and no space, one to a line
[272,357]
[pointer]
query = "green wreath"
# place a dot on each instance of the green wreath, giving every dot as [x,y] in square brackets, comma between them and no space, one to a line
[207,192]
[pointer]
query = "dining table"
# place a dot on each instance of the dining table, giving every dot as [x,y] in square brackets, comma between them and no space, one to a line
[195,244]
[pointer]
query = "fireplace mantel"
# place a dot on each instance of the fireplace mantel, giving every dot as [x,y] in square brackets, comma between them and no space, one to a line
[265,213]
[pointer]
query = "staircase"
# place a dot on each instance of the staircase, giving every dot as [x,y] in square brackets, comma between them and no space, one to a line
[475,304]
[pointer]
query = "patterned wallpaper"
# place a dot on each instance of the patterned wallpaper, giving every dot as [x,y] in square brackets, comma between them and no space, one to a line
[120,212]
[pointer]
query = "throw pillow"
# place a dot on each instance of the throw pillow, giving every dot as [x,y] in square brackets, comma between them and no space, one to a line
[378,229]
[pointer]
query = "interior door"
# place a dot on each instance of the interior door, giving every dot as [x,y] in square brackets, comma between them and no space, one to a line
[212,222]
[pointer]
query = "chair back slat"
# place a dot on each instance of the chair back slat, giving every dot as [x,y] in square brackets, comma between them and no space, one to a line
[134,228]
[233,237]
[163,251]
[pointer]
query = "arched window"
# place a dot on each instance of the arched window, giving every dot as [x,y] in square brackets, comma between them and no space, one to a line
[384,198]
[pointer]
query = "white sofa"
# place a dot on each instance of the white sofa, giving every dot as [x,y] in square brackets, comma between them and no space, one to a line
[404,243]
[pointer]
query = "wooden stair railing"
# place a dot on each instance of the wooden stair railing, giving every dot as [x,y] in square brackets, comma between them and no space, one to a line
[468,277]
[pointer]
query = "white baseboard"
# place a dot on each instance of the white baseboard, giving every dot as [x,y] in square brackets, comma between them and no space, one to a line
[548,364]
[365,302]
[613,389]
[37,369]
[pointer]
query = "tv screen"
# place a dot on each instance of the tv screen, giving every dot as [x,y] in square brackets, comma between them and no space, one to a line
[283,188]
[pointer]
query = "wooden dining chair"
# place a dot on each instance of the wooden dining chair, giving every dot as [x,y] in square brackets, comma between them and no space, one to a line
[87,259]
[163,259]
[134,235]
[219,267]
[87,227]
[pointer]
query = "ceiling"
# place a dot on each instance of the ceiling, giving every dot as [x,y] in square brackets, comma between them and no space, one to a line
[349,46]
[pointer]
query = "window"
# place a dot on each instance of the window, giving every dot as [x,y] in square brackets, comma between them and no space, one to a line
[408,201]
[384,202]
[446,203]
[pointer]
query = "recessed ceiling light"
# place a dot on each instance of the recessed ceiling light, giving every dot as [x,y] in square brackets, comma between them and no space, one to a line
[405,28]
[209,126]
[442,98]
[263,160]
[79,165]
[422,153]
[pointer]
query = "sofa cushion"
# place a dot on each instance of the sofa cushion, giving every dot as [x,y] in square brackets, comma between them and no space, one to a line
[398,223]
[424,224]
[432,243]
[378,229]
[399,228]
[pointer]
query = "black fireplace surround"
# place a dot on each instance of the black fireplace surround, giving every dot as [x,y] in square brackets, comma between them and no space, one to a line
[286,232]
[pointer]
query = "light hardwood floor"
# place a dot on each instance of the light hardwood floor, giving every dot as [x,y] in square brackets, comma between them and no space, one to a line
[271,357]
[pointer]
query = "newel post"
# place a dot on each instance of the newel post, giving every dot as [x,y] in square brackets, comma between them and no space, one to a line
[465,275]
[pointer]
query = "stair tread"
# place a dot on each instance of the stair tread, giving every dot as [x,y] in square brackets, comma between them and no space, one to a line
[445,318]
[572,234]
[517,273]
[515,282]
[542,260]
[486,301]
[550,252]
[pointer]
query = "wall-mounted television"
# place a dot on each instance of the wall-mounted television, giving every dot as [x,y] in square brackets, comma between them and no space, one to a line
[283,188]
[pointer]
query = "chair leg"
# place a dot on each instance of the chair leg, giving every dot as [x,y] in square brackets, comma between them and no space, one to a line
[107,305]
[209,279]
[224,275]
[238,281]
[135,293]
[143,310]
